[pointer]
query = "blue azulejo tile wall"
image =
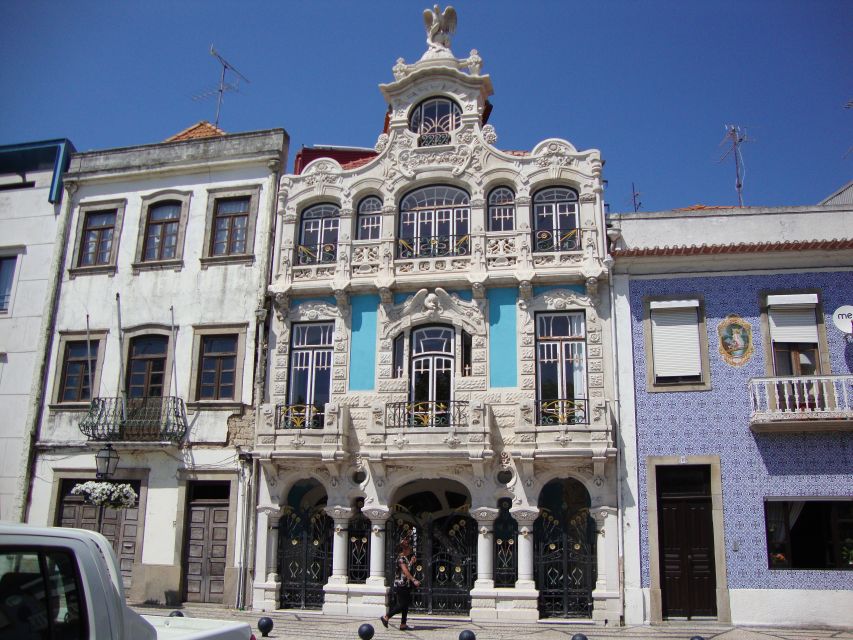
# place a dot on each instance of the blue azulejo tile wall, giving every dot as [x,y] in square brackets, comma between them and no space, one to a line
[716,422]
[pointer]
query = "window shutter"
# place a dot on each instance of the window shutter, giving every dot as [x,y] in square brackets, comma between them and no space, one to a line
[793,324]
[675,341]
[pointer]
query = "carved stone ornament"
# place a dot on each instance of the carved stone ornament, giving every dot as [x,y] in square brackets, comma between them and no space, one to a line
[439,27]
[433,306]
[490,136]
[474,62]
[382,141]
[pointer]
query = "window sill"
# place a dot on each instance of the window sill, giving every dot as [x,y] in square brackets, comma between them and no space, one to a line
[159,265]
[69,406]
[214,405]
[247,259]
[101,269]
[678,388]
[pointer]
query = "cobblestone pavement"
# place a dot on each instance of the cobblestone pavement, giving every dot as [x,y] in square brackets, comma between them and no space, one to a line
[316,626]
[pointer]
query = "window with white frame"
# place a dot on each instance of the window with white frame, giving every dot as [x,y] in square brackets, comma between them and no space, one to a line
[434,222]
[501,209]
[561,368]
[310,375]
[555,220]
[676,344]
[794,334]
[318,236]
[369,219]
[434,120]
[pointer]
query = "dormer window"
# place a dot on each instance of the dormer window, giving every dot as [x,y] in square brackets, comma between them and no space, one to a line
[433,120]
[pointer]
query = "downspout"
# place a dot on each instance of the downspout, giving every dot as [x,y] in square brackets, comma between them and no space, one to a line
[44,348]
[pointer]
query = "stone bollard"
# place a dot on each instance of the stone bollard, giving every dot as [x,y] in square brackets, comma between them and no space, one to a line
[365,631]
[176,614]
[579,636]
[265,625]
[467,634]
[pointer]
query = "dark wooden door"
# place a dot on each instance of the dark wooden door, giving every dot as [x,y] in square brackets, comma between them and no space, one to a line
[685,527]
[119,526]
[206,551]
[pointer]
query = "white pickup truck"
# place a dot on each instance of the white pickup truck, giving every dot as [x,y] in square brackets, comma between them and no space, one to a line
[64,584]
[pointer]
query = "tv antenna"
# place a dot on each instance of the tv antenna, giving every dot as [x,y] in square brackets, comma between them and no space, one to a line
[635,198]
[736,138]
[223,85]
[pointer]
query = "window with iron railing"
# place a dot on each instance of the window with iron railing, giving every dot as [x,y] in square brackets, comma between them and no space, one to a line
[434,120]
[561,368]
[434,222]
[555,220]
[310,377]
[501,209]
[318,235]
[369,220]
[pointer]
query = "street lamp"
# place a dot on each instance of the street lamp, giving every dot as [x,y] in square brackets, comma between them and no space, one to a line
[106,461]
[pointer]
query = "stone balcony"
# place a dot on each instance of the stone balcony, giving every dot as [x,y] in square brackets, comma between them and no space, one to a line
[429,430]
[303,431]
[801,403]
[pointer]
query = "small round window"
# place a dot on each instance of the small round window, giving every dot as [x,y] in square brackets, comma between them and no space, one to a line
[504,476]
[433,120]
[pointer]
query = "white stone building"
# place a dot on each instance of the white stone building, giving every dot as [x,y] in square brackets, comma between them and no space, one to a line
[440,367]
[163,286]
[33,223]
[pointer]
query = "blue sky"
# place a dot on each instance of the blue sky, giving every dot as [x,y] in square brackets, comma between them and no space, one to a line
[651,84]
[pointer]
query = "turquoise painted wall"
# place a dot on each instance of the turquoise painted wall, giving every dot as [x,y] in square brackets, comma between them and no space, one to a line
[503,348]
[362,363]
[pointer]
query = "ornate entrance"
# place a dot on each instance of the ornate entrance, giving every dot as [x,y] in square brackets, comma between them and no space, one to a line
[565,560]
[445,544]
[304,553]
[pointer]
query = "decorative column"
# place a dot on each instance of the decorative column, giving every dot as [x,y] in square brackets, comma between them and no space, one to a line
[485,517]
[525,519]
[267,586]
[606,593]
[336,593]
[378,516]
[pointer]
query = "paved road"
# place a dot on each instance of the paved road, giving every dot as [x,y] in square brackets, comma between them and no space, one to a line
[316,626]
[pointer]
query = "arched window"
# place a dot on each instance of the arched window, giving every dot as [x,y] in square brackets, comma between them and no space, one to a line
[433,120]
[555,220]
[434,222]
[501,209]
[369,219]
[318,236]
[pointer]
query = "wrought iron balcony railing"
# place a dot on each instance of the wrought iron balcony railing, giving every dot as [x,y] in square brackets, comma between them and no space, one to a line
[562,412]
[316,254]
[426,414]
[556,240]
[434,246]
[154,419]
[801,398]
[298,416]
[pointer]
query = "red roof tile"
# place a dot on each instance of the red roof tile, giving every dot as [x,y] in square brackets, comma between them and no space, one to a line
[201,129]
[759,247]
[353,164]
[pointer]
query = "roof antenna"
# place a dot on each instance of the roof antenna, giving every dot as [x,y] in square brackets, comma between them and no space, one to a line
[736,138]
[635,197]
[223,85]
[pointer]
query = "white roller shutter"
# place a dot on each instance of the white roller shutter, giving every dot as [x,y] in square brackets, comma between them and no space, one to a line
[790,323]
[675,340]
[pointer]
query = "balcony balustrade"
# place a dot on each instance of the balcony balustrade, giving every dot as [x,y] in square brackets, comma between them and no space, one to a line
[801,403]
[456,428]
[441,246]
[545,240]
[298,416]
[299,430]
[562,412]
[316,254]
[153,419]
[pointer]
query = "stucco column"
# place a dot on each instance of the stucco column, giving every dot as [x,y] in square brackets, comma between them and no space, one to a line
[265,591]
[605,595]
[525,518]
[340,517]
[485,517]
[378,517]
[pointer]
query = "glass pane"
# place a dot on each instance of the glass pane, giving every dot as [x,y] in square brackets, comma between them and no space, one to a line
[24,596]
[165,211]
[101,219]
[220,344]
[232,206]
[67,602]
[322,381]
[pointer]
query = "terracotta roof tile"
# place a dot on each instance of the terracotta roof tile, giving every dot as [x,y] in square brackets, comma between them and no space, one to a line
[704,207]
[758,247]
[201,129]
[516,153]
[352,164]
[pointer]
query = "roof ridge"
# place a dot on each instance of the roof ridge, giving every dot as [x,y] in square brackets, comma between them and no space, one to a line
[835,244]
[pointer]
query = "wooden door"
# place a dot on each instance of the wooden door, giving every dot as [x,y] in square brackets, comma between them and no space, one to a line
[686,538]
[119,526]
[206,550]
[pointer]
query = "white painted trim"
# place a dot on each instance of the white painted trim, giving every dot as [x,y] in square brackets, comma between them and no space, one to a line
[673,304]
[792,299]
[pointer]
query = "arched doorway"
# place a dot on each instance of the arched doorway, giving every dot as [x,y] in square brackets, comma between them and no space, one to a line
[564,542]
[434,514]
[304,547]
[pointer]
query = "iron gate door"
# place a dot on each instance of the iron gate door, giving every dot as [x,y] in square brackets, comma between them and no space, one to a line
[565,563]
[446,552]
[304,557]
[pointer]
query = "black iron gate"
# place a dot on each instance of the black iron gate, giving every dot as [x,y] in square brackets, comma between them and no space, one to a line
[565,562]
[445,546]
[304,557]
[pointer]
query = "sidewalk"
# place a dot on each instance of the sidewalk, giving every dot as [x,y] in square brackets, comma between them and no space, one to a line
[316,626]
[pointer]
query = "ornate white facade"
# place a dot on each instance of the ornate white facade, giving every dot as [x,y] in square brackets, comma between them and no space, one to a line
[372,444]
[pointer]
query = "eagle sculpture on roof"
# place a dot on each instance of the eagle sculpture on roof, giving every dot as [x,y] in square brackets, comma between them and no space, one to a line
[439,26]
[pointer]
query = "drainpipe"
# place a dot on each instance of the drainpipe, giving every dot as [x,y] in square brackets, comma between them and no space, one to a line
[44,348]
